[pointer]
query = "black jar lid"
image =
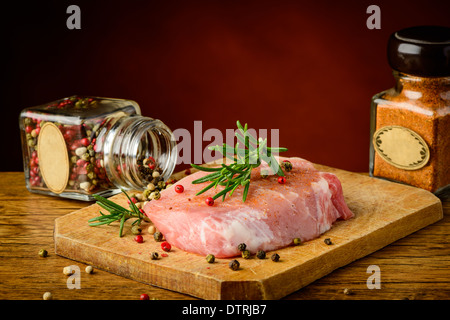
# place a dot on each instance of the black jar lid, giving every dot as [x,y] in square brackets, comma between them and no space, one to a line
[421,51]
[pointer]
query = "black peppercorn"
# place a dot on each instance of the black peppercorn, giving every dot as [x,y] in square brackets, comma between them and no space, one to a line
[275,257]
[155,255]
[261,254]
[234,265]
[328,241]
[242,247]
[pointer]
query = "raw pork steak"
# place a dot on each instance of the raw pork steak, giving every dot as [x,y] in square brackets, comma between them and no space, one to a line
[271,217]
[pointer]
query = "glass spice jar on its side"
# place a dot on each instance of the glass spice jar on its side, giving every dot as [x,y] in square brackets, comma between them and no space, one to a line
[410,123]
[80,146]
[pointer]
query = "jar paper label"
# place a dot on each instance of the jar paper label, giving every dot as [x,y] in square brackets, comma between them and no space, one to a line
[401,147]
[53,158]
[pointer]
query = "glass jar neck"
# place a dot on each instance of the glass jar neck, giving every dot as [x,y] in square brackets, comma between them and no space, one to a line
[131,140]
[414,87]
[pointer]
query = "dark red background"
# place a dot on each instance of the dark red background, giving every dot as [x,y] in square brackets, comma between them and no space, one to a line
[308,68]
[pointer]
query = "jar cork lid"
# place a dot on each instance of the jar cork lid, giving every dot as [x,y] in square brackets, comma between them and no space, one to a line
[420,51]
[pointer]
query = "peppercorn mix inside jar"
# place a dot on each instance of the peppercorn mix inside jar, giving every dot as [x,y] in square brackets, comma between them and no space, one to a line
[79,146]
[410,123]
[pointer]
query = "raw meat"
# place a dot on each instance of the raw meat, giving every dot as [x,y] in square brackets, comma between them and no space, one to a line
[271,217]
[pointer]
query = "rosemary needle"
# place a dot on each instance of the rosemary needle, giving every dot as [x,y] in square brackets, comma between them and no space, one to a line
[244,160]
[117,213]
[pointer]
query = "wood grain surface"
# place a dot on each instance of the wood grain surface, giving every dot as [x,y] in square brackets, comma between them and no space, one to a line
[384,212]
[415,267]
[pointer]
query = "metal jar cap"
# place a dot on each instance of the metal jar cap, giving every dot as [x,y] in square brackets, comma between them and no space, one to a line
[421,51]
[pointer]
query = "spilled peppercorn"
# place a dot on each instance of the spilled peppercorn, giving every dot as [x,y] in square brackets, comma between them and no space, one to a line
[234,265]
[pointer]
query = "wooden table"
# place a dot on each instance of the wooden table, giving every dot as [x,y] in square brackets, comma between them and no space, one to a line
[415,267]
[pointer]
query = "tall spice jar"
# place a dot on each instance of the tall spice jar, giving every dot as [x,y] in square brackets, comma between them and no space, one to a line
[79,146]
[410,123]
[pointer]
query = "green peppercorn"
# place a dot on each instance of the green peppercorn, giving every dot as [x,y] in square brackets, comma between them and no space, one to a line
[136,230]
[210,258]
[328,241]
[158,236]
[28,121]
[246,254]
[146,193]
[297,241]
[275,257]
[91,175]
[242,247]
[155,256]
[261,254]
[155,195]
[43,253]
[234,265]
[286,165]
[31,143]
[161,185]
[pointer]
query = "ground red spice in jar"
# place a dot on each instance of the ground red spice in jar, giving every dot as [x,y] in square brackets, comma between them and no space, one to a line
[410,123]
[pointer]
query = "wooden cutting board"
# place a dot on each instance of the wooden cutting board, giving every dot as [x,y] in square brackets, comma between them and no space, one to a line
[384,212]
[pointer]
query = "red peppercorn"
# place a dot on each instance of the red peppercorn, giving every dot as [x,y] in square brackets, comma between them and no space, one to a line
[209,201]
[144,296]
[28,129]
[85,142]
[139,239]
[179,188]
[166,246]
[81,162]
[281,180]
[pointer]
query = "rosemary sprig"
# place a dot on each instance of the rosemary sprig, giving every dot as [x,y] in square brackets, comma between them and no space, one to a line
[117,213]
[244,160]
